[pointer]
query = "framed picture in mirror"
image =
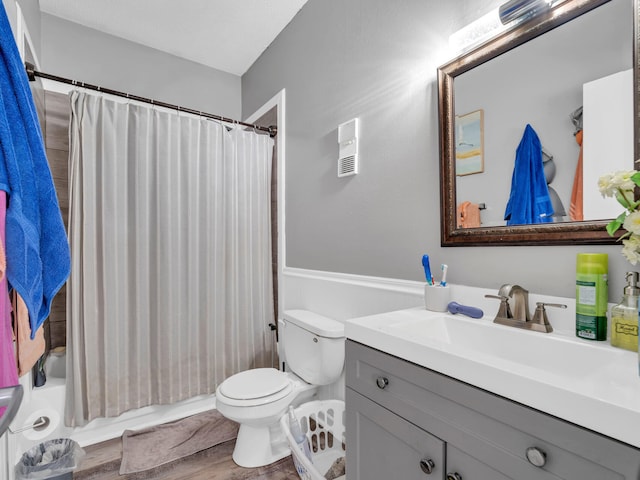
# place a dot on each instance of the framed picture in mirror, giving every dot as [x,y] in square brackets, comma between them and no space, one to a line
[469,143]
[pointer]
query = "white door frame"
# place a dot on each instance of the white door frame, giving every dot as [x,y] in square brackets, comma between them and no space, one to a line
[278,101]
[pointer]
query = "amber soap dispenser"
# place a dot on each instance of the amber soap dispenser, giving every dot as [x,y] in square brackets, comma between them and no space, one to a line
[624,316]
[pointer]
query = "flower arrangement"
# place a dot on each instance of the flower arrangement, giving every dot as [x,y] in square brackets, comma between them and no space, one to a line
[621,186]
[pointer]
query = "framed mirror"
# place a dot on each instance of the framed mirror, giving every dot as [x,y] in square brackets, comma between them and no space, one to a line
[541,74]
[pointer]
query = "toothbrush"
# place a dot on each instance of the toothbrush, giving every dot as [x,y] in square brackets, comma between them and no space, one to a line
[427,269]
[444,267]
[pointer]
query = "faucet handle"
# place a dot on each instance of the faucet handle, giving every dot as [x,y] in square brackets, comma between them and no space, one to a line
[540,315]
[545,304]
[504,311]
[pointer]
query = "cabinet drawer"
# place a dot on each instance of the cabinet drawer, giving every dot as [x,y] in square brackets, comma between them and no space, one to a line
[487,426]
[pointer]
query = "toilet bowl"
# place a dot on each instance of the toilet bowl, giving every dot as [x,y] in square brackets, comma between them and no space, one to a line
[258,398]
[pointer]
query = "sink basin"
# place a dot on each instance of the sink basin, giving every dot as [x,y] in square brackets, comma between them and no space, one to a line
[548,354]
[588,383]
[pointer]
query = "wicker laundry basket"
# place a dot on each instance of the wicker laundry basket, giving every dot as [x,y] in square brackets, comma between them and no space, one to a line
[322,421]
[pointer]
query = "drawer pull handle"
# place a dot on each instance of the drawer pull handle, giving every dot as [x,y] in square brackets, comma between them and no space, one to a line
[453,476]
[382,382]
[536,456]
[427,465]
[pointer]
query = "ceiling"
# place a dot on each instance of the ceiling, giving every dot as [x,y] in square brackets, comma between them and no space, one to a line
[228,35]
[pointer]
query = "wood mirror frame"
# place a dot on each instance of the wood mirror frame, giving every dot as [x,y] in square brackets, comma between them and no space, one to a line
[562,233]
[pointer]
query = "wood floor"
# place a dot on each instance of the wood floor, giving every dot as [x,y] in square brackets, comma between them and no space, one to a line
[102,462]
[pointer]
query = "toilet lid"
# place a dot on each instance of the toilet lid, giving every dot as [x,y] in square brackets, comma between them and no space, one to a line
[255,383]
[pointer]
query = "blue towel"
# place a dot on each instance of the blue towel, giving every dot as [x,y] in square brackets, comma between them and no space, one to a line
[37,249]
[529,201]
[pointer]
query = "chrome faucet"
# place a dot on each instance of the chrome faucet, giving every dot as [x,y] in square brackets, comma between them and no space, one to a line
[519,297]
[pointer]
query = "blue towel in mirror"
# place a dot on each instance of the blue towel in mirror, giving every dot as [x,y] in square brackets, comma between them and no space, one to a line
[37,249]
[529,200]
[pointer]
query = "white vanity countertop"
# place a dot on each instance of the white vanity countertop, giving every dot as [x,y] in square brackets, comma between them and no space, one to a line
[591,384]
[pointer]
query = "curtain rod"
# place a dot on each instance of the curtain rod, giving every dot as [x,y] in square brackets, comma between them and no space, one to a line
[32,73]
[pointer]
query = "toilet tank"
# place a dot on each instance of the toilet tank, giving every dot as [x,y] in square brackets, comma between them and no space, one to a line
[313,346]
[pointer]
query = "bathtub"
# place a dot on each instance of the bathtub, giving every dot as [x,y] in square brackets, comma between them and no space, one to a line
[48,401]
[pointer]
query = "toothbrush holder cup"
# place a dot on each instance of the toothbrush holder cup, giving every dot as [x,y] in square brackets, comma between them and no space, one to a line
[437,297]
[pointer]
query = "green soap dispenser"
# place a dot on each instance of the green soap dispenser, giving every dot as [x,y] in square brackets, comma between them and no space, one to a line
[624,316]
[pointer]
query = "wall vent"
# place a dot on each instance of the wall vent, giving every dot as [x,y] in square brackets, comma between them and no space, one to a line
[347,166]
[348,148]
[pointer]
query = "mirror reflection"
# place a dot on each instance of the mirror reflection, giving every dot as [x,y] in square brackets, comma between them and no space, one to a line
[570,91]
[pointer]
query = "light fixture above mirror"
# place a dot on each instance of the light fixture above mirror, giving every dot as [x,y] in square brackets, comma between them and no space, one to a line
[518,10]
[497,21]
[479,60]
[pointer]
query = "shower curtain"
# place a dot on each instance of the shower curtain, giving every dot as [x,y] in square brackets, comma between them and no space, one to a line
[171,289]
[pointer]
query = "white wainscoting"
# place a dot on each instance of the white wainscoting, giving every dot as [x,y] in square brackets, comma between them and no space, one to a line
[343,296]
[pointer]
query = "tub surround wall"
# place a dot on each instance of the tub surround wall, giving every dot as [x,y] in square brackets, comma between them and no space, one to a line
[56,136]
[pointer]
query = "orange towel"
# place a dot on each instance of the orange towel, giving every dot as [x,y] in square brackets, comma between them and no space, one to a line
[8,368]
[575,209]
[28,351]
[468,215]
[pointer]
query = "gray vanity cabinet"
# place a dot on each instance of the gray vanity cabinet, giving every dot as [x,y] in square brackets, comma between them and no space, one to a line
[405,421]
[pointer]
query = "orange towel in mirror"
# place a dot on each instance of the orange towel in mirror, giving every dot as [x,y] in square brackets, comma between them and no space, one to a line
[575,209]
[468,215]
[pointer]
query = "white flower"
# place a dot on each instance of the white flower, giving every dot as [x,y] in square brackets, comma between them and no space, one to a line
[632,223]
[621,186]
[605,185]
[631,249]
[610,184]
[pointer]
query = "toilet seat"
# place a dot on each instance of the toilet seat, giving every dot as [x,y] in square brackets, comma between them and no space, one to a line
[255,387]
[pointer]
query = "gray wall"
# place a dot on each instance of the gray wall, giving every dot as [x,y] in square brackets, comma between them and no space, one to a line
[73,51]
[377,61]
[31,13]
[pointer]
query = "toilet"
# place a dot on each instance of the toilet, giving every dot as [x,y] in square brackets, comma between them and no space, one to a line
[314,350]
